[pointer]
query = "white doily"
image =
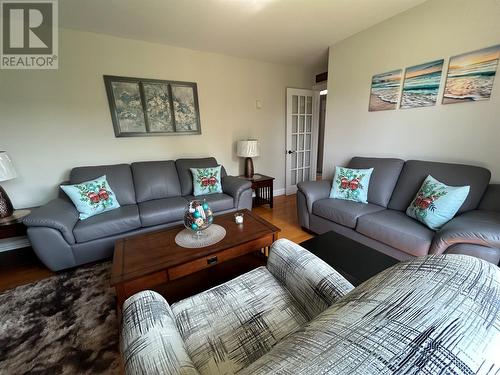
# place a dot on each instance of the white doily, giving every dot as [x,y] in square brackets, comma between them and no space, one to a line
[187,238]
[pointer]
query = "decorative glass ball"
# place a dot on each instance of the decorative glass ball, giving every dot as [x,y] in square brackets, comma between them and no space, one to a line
[198,216]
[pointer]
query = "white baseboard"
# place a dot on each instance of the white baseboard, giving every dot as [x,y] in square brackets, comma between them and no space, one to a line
[277,192]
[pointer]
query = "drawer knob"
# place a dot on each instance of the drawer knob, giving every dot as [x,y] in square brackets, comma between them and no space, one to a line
[211,261]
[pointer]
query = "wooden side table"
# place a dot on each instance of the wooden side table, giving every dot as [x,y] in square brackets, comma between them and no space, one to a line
[13,231]
[263,187]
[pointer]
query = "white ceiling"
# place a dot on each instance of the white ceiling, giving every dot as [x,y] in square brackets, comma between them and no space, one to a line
[282,31]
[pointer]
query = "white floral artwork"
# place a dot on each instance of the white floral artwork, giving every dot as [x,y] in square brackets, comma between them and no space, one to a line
[129,110]
[152,107]
[158,107]
[184,108]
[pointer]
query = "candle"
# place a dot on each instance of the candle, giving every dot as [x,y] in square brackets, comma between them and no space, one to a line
[238,218]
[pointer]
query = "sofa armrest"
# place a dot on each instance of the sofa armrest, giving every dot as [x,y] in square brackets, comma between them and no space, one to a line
[314,190]
[311,281]
[151,342]
[474,227]
[234,187]
[488,254]
[58,214]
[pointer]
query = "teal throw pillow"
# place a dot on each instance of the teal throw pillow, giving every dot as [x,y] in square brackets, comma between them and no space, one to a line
[91,197]
[351,184]
[436,203]
[206,180]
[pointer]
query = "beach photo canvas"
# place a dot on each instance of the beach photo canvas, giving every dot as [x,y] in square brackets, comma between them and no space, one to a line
[421,85]
[384,92]
[471,75]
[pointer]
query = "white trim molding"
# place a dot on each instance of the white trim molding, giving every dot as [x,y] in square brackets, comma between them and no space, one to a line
[277,192]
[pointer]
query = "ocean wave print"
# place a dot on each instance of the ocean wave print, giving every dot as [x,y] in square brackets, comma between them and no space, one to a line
[421,85]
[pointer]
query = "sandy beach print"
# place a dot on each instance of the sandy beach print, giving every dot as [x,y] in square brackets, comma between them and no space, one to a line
[384,92]
[471,75]
[421,85]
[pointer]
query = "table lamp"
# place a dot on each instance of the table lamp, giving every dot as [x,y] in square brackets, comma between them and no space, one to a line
[248,149]
[7,172]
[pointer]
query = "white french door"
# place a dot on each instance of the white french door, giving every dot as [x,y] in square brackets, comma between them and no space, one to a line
[300,145]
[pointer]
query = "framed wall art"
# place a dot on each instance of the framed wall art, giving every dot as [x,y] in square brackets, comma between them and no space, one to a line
[384,93]
[421,85]
[149,107]
[471,75]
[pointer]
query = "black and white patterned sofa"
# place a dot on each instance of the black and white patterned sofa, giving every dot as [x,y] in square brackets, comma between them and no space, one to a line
[433,315]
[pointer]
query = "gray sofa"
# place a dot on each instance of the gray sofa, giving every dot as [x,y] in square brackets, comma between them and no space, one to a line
[431,315]
[152,195]
[382,223]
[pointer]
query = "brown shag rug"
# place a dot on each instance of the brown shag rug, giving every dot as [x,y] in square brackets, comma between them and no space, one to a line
[65,324]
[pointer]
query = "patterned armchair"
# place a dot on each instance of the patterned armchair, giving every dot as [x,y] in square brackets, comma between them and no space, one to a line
[438,314]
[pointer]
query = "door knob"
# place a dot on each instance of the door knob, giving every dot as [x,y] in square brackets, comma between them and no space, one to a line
[291,152]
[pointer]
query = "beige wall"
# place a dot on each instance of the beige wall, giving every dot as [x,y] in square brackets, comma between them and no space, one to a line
[465,132]
[53,120]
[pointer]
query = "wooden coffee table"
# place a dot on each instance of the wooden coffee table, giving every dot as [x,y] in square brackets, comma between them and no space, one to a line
[154,261]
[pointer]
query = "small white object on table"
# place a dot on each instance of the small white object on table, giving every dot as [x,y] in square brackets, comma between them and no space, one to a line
[238,218]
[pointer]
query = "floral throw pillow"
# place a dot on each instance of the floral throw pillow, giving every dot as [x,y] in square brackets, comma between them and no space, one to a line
[351,184]
[206,180]
[436,203]
[91,197]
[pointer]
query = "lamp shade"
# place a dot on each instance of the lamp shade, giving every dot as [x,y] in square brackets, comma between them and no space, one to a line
[7,170]
[248,148]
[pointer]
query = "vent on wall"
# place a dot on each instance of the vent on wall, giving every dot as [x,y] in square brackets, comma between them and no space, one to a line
[321,77]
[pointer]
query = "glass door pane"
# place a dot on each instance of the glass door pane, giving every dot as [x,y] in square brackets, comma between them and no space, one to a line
[295,104]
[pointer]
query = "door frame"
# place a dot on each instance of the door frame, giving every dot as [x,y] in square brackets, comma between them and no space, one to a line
[314,135]
[317,88]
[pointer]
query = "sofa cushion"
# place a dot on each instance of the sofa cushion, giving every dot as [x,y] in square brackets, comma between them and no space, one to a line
[384,177]
[351,184]
[155,180]
[162,211]
[92,197]
[491,198]
[395,229]
[186,177]
[121,220]
[415,171]
[436,203]
[343,212]
[217,202]
[118,176]
[206,180]
[227,328]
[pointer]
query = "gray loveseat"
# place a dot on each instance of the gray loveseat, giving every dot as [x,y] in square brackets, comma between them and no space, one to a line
[382,223]
[431,315]
[152,195]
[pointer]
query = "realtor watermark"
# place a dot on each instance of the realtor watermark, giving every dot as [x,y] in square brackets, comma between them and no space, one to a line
[29,34]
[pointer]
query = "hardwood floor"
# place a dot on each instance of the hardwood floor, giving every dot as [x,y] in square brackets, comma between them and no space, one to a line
[284,216]
[19,267]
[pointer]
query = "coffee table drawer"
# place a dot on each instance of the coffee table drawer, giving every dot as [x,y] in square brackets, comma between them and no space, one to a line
[219,257]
